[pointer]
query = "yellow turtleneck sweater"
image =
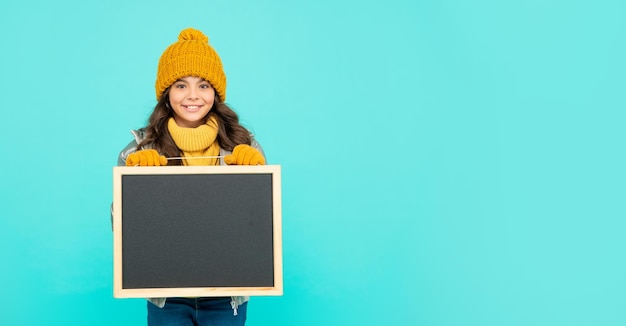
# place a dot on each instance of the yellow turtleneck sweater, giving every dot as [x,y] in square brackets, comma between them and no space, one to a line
[197,143]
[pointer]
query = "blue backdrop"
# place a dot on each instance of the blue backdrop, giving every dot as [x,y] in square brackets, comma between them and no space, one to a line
[450,162]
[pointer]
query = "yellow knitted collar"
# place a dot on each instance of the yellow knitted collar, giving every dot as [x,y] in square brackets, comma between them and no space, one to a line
[196,142]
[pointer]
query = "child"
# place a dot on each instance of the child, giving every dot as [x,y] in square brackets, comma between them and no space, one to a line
[191,125]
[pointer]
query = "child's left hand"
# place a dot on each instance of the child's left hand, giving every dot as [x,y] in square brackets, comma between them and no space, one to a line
[245,155]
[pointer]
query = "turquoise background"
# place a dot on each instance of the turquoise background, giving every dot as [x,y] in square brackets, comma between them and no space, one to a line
[444,162]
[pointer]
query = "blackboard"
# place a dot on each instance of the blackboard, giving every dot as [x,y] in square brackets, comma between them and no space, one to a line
[197,231]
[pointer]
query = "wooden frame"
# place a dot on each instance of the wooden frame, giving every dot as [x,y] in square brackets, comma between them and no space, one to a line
[134,178]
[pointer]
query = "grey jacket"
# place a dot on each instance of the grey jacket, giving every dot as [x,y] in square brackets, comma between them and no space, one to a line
[139,135]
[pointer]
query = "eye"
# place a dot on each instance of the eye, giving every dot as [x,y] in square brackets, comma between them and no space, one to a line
[179,85]
[205,86]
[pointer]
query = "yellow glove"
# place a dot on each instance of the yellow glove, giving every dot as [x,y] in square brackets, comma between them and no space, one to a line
[146,157]
[245,155]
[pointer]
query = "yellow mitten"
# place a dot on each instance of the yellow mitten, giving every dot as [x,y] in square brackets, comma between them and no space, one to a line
[146,157]
[245,155]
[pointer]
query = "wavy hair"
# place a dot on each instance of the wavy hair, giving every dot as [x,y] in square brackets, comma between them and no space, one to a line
[230,133]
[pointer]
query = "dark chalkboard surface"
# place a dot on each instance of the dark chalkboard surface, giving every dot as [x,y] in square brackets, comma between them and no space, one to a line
[197,231]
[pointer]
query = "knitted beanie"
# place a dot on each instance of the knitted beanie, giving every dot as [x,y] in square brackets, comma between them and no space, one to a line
[191,55]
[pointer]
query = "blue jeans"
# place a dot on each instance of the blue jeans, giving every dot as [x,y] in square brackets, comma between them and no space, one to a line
[197,312]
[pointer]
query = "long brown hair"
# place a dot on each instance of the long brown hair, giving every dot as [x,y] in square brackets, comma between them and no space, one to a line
[230,132]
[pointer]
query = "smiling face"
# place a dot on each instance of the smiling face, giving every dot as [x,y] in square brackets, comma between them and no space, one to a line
[191,99]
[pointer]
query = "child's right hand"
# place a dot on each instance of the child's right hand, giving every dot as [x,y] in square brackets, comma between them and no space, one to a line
[146,157]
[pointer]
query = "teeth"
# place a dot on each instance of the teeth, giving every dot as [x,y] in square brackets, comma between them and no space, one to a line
[192,106]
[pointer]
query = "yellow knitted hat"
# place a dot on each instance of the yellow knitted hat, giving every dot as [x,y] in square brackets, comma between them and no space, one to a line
[190,56]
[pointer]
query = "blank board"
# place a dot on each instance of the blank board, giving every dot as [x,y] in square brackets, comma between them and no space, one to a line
[184,231]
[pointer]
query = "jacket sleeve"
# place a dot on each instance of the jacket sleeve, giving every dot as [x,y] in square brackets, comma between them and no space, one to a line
[256,145]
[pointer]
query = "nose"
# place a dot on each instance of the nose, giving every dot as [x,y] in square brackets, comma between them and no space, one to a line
[192,94]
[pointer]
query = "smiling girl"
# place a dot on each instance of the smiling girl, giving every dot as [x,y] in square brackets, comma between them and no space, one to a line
[191,125]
